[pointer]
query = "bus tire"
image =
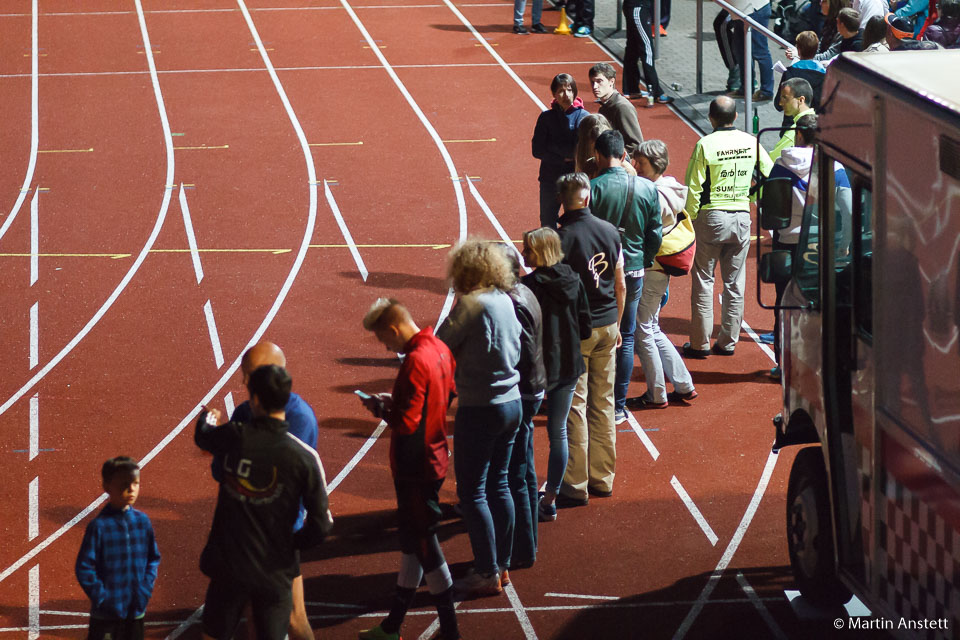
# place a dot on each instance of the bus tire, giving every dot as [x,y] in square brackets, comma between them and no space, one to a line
[810,533]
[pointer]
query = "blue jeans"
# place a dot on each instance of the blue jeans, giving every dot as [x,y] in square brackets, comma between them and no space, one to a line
[759,47]
[628,325]
[559,399]
[483,441]
[536,11]
[523,487]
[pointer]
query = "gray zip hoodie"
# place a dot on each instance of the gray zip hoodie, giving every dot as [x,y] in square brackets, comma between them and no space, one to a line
[673,197]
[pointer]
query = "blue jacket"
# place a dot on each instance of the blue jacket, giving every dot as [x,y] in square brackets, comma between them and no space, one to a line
[303,425]
[117,563]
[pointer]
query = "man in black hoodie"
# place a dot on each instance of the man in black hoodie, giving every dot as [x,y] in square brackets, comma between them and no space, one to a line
[591,247]
[252,552]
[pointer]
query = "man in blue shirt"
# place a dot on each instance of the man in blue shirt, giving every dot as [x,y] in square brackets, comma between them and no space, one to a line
[303,425]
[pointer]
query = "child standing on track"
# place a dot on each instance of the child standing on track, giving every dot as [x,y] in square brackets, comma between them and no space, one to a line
[416,413]
[118,559]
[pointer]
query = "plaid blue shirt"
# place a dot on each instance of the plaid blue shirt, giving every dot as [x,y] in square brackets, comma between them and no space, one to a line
[117,563]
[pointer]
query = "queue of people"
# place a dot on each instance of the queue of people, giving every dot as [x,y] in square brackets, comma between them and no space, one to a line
[561,340]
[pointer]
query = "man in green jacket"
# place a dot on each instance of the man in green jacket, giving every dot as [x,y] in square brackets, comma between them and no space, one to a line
[638,221]
[719,179]
[795,97]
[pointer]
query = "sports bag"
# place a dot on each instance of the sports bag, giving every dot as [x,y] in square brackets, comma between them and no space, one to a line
[678,247]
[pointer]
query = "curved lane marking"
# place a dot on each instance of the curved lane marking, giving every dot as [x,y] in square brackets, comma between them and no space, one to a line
[451,169]
[34,121]
[161,216]
[168,140]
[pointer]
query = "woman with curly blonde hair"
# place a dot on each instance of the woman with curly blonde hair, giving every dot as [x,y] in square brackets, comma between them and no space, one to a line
[483,333]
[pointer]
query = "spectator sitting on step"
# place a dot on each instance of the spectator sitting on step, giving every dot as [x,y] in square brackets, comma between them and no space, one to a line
[874,35]
[900,35]
[946,30]
[848,26]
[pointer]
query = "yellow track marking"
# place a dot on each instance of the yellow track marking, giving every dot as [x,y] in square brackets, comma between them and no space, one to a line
[65,150]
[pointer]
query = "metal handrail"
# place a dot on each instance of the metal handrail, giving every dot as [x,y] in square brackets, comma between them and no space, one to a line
[750,24]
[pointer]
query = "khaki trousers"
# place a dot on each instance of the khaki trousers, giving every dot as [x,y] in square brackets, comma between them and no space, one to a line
[591,426]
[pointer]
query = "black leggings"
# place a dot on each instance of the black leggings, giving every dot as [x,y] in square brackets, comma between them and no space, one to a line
[418,512]
[639,49]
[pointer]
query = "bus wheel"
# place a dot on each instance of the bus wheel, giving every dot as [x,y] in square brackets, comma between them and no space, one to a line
[809,534]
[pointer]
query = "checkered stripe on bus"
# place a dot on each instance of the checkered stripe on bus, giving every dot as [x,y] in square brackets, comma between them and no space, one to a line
[919,564]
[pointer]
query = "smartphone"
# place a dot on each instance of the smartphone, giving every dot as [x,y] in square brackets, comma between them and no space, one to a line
[362,395]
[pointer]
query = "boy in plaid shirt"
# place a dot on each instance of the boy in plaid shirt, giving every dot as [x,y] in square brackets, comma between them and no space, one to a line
[118,559]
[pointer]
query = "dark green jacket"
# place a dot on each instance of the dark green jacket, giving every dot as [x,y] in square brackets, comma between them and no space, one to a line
[640,229]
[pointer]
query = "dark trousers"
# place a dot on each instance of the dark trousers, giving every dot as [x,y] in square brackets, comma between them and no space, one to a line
[724,27]
[585,12]
[639,49]
[115,629]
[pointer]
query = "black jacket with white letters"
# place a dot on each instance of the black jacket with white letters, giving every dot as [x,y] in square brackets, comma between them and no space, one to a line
[266,473]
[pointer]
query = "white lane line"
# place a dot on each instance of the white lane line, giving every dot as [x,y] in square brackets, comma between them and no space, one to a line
[33,606]
[34,336]
[731,548]
[345,231]
[228,403]
[644,438]
[214,336]
[191,237]
[34,119]
[441,147]
[525,624]
[161,216]
[761,608]
[257,9]
[342,67]
[577,595]
[55,612]
[254,339]
[186,624]
[494,221]
[34,238]
[33,509]
[694,511]
[435,625]
[335,605]
[34,426]
[356,457]
[496,56]
[756,338]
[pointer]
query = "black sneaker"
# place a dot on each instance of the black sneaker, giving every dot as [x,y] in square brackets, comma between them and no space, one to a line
[538,28]
[520,29]
[689,352]
[566,502]
[599,493]
[720,351]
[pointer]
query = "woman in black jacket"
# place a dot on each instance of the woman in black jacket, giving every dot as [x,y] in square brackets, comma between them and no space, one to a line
[566,321]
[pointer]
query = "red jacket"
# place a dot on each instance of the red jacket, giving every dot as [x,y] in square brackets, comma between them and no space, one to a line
[418,419]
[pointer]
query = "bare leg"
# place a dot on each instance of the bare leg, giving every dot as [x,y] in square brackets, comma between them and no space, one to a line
[300,628]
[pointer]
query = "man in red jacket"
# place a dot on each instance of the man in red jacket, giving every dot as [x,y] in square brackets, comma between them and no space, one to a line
[416,413]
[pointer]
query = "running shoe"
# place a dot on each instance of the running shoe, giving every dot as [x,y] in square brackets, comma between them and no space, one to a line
[583,32]
[520,29]
[620,416]
[645,402]
[477,584]
[546,512]
[676,396]
[766,338]
[538,28]
[377,633]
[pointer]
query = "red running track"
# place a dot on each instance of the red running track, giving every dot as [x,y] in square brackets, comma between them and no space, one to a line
[124,351]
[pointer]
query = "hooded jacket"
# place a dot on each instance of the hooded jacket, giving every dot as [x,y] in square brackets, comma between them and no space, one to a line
[945,32]
[566,320]
[555,139]
[527,308]
[672,197]
[266,473]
